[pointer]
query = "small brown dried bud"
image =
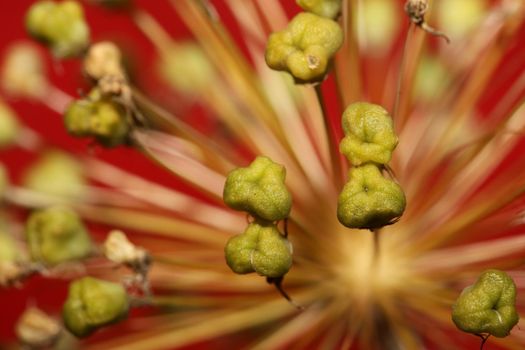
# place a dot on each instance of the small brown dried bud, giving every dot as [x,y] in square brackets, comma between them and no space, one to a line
[36,329]
[416,10]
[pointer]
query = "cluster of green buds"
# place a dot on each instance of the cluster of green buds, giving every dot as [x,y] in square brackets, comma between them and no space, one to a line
[488,306]
[259,189]
[323,8]
[100,117]
[61,25]
[369,200]
[93,303]
[55,235]
[305,47]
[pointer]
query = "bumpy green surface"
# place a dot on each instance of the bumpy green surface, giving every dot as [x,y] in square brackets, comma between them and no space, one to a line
[97,117]
[56,235]
[369,200]
[9,126]
[259,190]
[323,8]
[370,136]
[305,47]
[93,303]
[488,306]
[61,25]
[262,249]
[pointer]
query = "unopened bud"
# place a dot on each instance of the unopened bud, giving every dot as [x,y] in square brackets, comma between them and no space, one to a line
[103,59]
[93,303]
[56,235]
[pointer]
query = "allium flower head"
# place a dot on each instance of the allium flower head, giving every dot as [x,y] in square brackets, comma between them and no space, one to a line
[457,176]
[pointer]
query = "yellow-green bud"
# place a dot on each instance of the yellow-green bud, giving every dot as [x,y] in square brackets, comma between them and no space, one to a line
[305,47]
[56,235]
[60,25]
[9,126]
[58,174]
[98,117]
[370,136]
[369,200]
[186,68]
[262,249]
[323,8]
[259,190]
[93,303]
[488,306]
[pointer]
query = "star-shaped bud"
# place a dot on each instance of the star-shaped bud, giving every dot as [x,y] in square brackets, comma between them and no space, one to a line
[262,249]
[305,47]
[369,200]
[61,25]
[370,136]
[259,190]
[488,306]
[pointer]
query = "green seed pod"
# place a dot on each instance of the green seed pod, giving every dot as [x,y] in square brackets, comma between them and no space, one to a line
[9,126]
[370,136]
[60,25]
[262,249]
[58,174]
[305,47]
[259,190]
[368,200]
[323,8]
[488,306]
[56,235]
[97,117]
[93,303]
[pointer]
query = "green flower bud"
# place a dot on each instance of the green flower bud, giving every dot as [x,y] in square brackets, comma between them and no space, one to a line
[97,117]
[488,306]
[369,200]
[262,249]
[370,136]
[305,47]
[60,25]
[259,190]
[186,68]
[56,235]
[323,8]
[93,303]
[58,174]
[9,126]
